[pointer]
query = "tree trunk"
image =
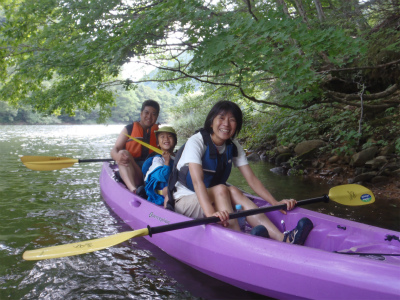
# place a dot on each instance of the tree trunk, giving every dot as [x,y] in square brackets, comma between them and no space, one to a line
[320,12]
[286,11]
[284,7]
[360,20]
[301,11]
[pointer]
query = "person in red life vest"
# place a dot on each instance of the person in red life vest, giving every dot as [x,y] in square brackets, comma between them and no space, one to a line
[129,154]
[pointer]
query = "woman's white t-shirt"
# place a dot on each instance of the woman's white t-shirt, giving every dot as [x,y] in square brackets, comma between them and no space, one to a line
[193,153]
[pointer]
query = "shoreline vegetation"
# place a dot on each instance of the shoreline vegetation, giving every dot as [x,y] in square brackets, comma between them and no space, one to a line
[377,168]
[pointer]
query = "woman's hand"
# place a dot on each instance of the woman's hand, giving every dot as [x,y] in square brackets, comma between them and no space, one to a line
[290,204]
[223,216]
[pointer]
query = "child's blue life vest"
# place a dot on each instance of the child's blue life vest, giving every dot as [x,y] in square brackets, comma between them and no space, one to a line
[156,180]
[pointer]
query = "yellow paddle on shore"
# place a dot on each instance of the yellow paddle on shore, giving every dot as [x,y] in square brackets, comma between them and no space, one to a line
[349,194]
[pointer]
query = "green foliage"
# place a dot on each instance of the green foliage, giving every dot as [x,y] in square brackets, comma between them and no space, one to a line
[129,103]
[349,140]
[12,115]
[294,161]
[78,56]
[7,113]
[295,76]
[190,113]
[397,145]
[127,109]
[372,142]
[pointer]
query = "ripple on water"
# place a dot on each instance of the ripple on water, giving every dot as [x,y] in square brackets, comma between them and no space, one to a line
[121,273]
[41,209]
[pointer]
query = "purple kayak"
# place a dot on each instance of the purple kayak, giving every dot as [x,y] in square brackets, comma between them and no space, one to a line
[268,267]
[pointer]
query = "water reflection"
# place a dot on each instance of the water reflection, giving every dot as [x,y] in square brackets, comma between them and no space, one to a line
[282,187]
[40,209]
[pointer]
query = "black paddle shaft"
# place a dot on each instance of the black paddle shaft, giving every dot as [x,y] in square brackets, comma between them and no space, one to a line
[204,221]
[95,160]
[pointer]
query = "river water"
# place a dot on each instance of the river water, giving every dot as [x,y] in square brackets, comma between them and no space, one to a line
[40,209]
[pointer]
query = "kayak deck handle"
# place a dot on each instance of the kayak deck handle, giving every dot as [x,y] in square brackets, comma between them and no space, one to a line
[392,237]
[135,203]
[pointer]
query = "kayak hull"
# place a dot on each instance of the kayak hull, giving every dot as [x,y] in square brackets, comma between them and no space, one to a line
[268,267]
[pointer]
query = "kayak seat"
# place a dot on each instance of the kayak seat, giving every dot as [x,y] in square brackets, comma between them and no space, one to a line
[351,240]
[334,239]
[325,238]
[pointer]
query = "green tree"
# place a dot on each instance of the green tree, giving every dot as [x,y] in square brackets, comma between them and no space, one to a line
[129,103]
[127,109]
[7,113]
[288,54]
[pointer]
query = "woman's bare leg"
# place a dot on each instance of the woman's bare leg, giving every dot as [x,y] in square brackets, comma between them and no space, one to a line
[220,198]
[254,220]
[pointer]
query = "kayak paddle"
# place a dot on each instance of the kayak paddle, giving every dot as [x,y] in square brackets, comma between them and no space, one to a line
[49,163]
[349,194]
[155,149]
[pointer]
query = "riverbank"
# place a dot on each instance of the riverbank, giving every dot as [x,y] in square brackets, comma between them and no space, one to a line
[383,190]
[377,168]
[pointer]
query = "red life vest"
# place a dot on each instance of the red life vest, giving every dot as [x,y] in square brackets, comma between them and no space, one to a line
[137,150]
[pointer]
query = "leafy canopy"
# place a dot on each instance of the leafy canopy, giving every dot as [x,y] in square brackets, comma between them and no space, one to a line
[66,54]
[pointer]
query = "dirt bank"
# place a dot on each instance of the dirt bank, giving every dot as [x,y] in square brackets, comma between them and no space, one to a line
[385,190]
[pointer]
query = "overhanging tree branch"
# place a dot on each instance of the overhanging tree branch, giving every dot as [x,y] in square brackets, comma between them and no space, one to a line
[395,62]
[346,97]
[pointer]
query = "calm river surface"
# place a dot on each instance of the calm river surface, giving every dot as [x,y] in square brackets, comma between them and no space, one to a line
[40,209]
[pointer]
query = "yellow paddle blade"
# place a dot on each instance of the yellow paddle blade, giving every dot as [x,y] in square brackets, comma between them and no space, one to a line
[82,247]
[351,194]
[156,150]
[47,163]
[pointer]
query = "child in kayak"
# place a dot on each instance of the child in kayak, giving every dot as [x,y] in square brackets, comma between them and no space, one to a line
[157,169]
[197,186]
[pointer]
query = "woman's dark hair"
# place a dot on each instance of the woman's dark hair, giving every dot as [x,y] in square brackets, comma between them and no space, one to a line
[224,106]
[151,103]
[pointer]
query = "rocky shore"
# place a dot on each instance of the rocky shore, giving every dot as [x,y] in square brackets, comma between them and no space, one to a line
[377,168]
